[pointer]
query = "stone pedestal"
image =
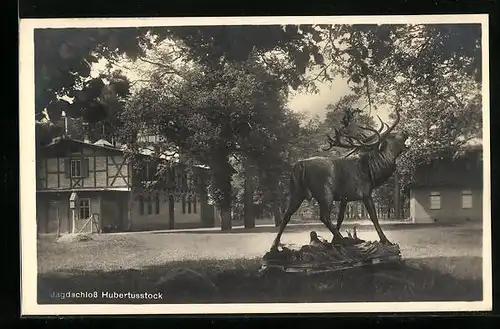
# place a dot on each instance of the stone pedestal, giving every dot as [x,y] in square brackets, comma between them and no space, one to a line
[325,257]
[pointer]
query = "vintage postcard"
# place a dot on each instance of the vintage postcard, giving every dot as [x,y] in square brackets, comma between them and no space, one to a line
[255,165]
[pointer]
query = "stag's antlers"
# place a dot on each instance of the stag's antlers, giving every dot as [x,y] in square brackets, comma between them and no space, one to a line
[357,143]
[353,142]
[394,124]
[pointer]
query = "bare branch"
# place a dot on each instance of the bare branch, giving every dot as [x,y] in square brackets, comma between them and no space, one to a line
[170,69]
[367,85]
[323,71]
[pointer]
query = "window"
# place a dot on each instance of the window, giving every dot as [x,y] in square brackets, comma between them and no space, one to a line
[194,204]
[141,205]
[146,172]
[189,205]
[76,168]
[435,200]
[183,204]
[157,204]
[466,199]
[150,206]
[184,181]
[150,172]
[84,208]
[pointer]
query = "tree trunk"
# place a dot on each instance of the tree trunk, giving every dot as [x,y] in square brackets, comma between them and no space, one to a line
[397,206]
[248,213]
[222,173]
[276,213]
[225,219]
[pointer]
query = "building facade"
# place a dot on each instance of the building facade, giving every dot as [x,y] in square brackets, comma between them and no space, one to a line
[449,190]
[92,187]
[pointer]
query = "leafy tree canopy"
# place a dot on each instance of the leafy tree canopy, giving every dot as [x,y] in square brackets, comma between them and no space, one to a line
[64,59]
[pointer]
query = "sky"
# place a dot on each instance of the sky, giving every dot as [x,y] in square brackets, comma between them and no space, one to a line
[329,92]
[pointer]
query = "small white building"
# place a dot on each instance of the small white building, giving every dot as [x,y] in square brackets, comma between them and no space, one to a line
[449,190]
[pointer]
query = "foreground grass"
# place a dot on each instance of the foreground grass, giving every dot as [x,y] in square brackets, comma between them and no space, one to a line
[238,281]
[441,264]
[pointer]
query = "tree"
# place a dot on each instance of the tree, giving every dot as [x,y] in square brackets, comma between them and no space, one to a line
[287,50]
[64,80]
[275,162]
[432,71]
[433,68]
[64,59]
[210,115]
[98,103]
[298,138]
[234,79]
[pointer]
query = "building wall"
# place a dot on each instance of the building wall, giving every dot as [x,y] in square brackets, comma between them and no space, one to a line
[451,206]
[103,171]
[107,181]
[114,211]
[48,203]
[160,220]
[46,212]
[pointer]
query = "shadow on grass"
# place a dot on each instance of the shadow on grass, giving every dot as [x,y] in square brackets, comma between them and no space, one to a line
[304,227]
[237,281]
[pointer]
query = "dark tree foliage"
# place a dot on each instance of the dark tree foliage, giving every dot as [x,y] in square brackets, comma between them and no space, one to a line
[63,62]
[213,45]
[211,114]
[64,56]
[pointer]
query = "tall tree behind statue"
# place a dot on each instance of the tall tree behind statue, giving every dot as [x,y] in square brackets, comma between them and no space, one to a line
[210,124]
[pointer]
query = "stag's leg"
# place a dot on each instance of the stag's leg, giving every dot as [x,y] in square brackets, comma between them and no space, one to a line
[295,202]
[325,208]
[324,216]
[341,214]
[370,207]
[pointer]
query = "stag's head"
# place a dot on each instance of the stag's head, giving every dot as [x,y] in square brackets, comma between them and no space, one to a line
[395,143]
[381,140]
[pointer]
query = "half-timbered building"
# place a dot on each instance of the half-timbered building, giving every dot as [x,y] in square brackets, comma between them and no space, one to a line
[93,187]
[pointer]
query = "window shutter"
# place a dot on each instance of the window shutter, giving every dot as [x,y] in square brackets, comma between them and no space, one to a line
[67,168]
[85,168]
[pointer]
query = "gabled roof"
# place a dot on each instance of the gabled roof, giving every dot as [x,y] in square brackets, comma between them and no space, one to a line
[463,171]
[64,139]
[100,144]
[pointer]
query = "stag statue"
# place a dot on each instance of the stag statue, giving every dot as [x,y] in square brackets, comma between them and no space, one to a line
[329,179]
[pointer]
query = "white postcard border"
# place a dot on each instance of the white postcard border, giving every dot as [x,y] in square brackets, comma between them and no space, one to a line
[27,195]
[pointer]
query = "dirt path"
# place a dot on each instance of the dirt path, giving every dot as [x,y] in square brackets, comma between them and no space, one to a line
[136,251]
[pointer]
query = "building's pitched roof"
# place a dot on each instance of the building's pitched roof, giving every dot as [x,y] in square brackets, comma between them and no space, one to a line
[100,144]
[64,139]
[464,171]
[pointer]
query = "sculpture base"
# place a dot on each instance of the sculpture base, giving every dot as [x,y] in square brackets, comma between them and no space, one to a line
[326,257]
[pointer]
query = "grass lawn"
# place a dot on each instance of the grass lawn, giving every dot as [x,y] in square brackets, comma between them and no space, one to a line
[440,263]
